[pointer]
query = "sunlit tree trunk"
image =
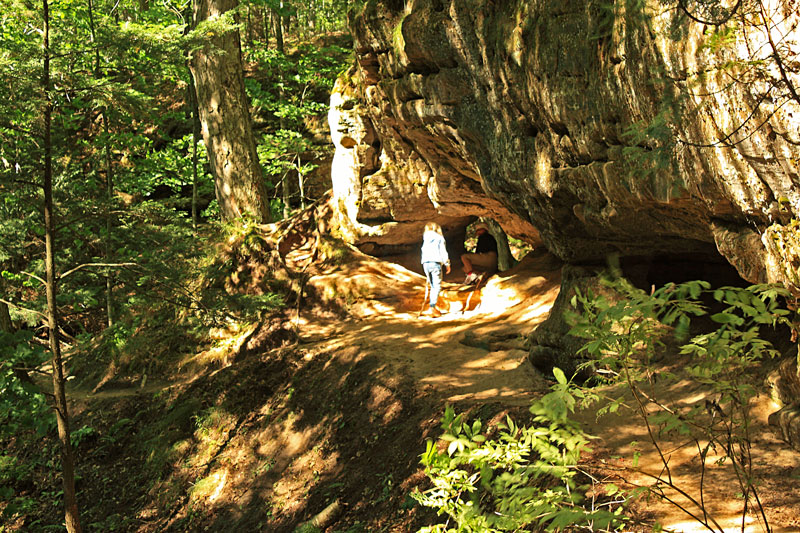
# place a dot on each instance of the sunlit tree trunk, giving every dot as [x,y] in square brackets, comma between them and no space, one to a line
[72,518]
[286,193]
[225,118]
[195,140]
[300,181]
[265,19]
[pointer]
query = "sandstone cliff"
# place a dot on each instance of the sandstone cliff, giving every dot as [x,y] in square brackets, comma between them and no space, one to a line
[593,129]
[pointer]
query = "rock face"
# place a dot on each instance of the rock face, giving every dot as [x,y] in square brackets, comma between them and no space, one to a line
[594,130]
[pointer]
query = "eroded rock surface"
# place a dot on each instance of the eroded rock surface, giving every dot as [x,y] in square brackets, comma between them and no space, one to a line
[533,113]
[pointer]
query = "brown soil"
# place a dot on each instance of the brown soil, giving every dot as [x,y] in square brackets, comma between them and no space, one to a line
[475,354]
[341,416]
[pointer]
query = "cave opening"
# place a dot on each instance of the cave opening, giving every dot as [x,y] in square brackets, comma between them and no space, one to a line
[648,272]
[653,272]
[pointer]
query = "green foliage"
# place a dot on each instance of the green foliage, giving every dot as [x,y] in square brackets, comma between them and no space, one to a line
[12,471]
[243,282]
[170,165]
[297,86]
[119,100]
[22,404]
[649,151]
[295,90]
[623,334]
[523,476]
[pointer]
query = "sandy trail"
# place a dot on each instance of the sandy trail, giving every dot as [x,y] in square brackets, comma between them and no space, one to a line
[476,353]
[473,354]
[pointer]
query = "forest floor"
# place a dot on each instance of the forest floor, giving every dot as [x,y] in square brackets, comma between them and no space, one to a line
[331,425]
[475,355]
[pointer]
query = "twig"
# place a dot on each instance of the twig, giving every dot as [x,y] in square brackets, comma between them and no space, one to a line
[660,493]
[12,304]
[776,55]
[85,265]
[734,9]
[34,276]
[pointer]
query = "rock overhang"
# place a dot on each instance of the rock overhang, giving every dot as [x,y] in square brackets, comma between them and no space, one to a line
[534,114]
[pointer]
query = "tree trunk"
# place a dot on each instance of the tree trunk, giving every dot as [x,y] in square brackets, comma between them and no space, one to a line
[249,28]
[72,517]
[109,178]
[278,30]
[195,140]
[5,319]
[266,18]
[286,195]
[505,259]
[300,181]
[109,224]
[225,118]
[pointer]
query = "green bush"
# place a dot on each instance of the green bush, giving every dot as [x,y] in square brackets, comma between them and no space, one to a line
[624,335]
[525,476]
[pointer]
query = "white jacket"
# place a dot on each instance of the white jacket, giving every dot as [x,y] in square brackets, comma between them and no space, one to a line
[434,249]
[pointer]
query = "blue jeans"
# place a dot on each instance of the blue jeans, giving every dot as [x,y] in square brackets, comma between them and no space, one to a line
[433,271]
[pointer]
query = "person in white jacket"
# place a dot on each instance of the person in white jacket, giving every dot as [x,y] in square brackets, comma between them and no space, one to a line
[434,256]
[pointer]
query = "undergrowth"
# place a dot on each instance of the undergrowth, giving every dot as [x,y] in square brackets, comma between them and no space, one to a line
[514,477]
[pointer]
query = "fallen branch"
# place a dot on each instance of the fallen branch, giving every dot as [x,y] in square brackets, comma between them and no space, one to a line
[325,517]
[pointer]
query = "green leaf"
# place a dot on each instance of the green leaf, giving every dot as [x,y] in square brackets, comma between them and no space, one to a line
[727,318]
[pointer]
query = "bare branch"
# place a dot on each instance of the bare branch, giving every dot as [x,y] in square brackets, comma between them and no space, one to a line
[777,56]
[682,6]
[725,141]
[34,276]
[12,304]
[101,265]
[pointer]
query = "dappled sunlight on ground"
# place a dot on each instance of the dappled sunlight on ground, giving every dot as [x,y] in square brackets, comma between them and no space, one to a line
[281,433]
[476,352]
[638,462]
[470,353]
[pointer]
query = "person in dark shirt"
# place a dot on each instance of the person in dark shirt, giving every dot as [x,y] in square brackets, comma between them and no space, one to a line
[484,259]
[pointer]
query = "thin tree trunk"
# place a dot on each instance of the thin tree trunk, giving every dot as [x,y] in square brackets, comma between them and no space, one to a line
[109,223]
[286,194]
[300,179]
[5,319]
[266,18]
[279,30]
[93,36]
[225,117]
[71,515]
[195,140]
[109,179]
[249,28]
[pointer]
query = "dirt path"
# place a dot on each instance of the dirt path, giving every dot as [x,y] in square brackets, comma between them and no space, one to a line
[476,353]
[471,353]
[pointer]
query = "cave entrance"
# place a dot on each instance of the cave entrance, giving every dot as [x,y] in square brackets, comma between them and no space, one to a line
[655,271]
[461,237]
